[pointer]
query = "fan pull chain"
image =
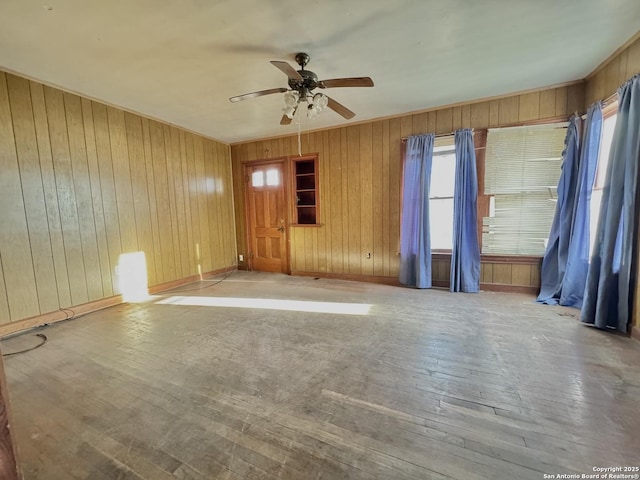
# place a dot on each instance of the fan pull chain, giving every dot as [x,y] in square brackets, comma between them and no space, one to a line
[299,144]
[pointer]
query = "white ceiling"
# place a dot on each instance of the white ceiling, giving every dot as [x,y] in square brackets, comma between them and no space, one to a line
[180,60]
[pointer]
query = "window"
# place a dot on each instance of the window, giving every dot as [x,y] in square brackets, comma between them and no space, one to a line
[272,178]
[443,171]
[522,169]
[305,190]
[606,139]
[257,178]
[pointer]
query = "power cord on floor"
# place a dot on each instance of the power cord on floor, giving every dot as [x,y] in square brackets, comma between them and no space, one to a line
[66,312]
[69,314]
[173,290]
[43,341]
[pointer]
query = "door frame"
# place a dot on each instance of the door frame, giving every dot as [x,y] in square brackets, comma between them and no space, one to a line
[284,161]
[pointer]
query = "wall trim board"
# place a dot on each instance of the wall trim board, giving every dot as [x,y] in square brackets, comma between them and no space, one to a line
[190,279]
[474,101]
[492,258]
[85,308]
[528,123]
[618,68]
[108,104]
[495,287]
[440,255]
[613,55]
[392,281]
[59,315]
[504,288]
[511,259]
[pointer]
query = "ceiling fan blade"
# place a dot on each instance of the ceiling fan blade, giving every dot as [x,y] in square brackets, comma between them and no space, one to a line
[286,120]
[340,109]
[257,94]
[287,69]
[346,82]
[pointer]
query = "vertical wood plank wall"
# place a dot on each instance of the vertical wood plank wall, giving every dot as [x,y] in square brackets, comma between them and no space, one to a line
[605,81]
[360,176]
[600,85]
[82,183]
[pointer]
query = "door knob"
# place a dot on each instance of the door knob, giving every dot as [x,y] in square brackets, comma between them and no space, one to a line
[281,229]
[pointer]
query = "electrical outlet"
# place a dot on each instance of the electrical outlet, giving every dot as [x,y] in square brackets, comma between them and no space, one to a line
[241,258]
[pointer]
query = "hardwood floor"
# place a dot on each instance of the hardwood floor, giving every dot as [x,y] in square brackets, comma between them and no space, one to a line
[426,385]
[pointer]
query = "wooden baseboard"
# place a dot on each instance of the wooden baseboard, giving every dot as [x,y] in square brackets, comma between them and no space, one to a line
[393,281]
[493,287]
[59,315]
[79,310]
[501,287]
[635,332]
[491,258]
[184,281]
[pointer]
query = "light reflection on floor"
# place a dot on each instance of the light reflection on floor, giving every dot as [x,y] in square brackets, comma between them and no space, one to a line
[271,304]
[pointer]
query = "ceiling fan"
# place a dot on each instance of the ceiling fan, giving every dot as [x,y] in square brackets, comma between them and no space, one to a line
[301,85]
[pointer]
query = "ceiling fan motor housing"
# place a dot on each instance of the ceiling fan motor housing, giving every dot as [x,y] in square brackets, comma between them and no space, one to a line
[308,83]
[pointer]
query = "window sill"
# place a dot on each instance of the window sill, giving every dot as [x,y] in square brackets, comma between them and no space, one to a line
[493,258]
[513,259]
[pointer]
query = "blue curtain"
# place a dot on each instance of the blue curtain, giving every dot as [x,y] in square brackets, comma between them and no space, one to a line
[415,242]
[608,291]
[575,275]
[465,254]
[555,257]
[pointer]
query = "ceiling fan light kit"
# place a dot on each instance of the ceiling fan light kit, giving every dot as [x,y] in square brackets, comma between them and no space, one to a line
[301,85]
[291,99]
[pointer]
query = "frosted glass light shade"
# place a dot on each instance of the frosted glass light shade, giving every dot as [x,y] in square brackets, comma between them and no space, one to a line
[289,111]
[320,101]
[291,98]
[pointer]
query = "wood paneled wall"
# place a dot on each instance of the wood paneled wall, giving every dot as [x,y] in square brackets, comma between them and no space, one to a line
[495,273]
[617,70]
[360,170]
[83,183]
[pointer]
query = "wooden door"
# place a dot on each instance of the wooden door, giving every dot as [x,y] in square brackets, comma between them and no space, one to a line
[266,216]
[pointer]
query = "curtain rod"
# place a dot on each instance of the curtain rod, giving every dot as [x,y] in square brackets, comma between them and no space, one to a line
[404,139]
[610,99]
[607,102]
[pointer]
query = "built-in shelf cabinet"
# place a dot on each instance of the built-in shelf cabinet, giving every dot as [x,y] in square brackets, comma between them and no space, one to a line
[305,184]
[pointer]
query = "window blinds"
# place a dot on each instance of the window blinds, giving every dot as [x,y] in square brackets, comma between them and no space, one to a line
[522,168]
